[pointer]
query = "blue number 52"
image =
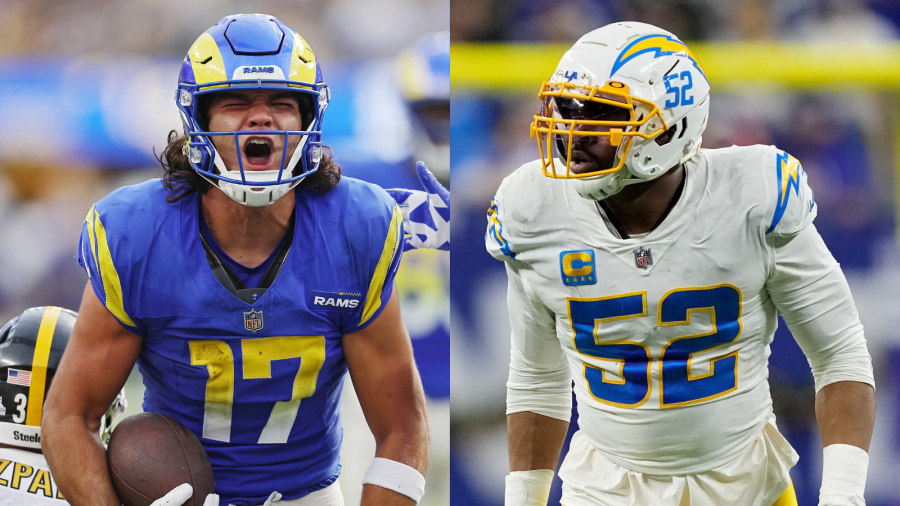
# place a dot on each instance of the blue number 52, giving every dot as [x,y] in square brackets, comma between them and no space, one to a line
[631,387]
[679,93]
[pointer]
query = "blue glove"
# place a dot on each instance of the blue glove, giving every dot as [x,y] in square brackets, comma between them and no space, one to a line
[426,214]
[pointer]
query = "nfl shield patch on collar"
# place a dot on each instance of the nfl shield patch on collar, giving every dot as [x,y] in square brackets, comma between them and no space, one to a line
[253,320]
[642,258]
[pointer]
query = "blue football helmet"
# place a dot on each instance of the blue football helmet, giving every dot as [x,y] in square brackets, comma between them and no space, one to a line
[251,52]
[423,73]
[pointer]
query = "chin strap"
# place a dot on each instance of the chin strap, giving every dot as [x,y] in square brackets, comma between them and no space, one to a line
[245,193]
[605,186]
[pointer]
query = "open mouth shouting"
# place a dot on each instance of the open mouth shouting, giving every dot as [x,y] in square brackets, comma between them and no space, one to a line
[259,153]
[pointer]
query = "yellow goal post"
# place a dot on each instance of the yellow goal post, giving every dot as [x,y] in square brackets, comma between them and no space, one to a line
[503,68]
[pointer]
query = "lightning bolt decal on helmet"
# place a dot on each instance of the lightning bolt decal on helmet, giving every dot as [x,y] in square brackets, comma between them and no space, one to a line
[251,52]
[651,102]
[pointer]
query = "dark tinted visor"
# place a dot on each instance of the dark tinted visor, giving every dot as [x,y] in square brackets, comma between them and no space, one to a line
[573,108]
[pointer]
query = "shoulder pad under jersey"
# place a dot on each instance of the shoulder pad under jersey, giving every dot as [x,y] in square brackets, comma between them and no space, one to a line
[116,235]
[522,212]
[770,181]
[791,205]
[371,223]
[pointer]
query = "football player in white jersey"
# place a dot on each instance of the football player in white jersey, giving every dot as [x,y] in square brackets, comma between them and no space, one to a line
[651,272]
[31,345]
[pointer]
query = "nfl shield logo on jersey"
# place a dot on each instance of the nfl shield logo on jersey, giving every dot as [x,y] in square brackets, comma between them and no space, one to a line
[642,258]
[253,320]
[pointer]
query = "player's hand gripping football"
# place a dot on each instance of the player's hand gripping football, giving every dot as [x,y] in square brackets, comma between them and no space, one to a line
[426,214]
[180,494]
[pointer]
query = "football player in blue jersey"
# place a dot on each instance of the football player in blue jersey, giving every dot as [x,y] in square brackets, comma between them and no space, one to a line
[245,285]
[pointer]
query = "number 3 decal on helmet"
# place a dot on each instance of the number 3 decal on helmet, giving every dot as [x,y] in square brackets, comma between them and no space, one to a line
[31,346]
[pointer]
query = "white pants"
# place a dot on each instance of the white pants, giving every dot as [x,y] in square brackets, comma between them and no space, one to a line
[756,477]
[328,496]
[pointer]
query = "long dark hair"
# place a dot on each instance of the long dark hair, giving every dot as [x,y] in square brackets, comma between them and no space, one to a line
[180,179]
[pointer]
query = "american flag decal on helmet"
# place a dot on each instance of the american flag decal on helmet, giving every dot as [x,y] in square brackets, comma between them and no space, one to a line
[642,258]
[17,377]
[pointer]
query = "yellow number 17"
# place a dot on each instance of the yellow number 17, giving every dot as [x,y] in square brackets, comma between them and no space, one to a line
[258,355]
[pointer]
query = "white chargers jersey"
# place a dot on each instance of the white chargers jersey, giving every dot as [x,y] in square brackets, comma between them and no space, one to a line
[667,336]
[25,480]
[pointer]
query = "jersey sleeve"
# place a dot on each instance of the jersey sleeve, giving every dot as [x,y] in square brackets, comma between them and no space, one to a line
[518,221]
[791,205]
[498,233]
[99,255]
[810,291]
[377,241]
[539,378]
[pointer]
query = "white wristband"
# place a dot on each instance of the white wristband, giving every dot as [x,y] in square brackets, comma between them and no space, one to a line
[396,476]
[528,488]
[844,469]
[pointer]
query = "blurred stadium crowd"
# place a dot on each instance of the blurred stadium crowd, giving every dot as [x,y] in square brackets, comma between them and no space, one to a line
[844,138]
[86,96]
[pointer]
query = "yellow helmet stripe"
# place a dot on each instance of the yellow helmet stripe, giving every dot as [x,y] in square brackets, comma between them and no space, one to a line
[39,366]
[303,62]
[206,60]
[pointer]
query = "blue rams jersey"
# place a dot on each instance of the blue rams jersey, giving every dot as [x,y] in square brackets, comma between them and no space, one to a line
[423,286]
[260,384]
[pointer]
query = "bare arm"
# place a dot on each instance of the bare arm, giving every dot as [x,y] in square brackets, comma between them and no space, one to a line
[97,361]
[535,441]
[846,413]
[386,380]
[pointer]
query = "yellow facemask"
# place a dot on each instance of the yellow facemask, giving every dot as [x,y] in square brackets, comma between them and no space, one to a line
[549,124]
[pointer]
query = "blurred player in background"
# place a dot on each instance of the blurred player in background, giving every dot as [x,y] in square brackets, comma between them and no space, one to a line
[652,272]
[246,284]
[31,346]
[423,74]
[423,280]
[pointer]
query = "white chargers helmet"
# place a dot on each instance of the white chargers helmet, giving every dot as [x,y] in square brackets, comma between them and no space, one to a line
[632,86]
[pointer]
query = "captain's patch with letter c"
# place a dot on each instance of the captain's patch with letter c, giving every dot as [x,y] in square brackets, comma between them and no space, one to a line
[577,267]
